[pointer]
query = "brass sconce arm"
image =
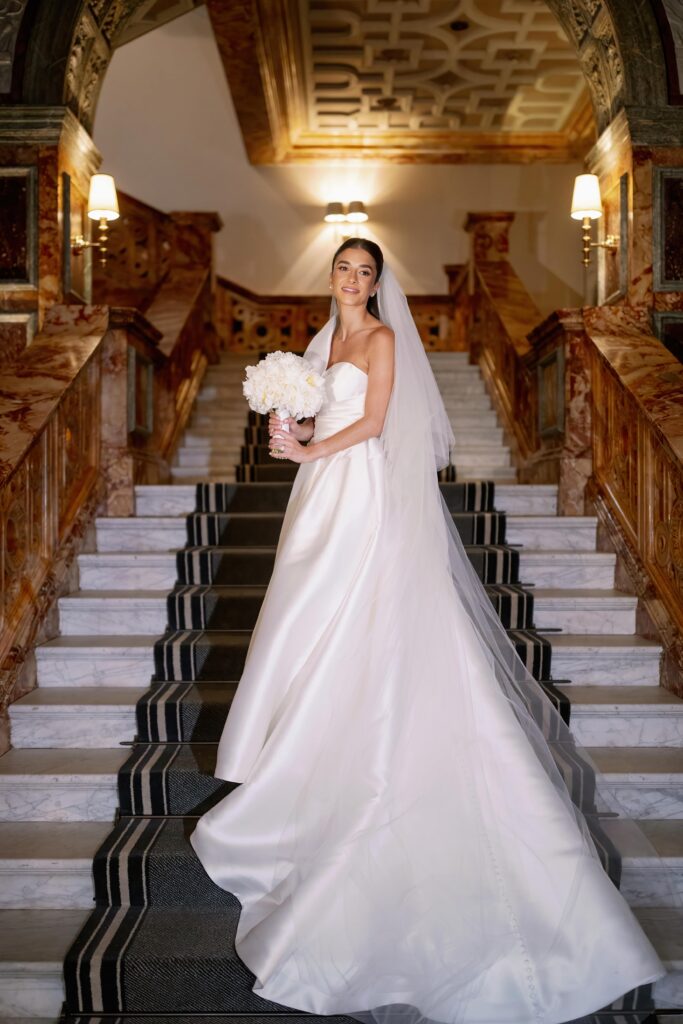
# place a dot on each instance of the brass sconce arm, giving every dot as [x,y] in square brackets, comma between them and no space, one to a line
[610,242]
[79,243]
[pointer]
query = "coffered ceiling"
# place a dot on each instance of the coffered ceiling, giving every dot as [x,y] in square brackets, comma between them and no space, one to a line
[412,80]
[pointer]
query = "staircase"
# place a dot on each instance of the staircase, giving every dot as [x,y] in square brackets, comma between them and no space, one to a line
[172,594]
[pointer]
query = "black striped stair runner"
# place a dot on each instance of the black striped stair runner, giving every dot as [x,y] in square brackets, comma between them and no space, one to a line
[159,945]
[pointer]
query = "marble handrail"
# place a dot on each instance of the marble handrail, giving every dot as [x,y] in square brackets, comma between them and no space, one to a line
[637,473]
[651,375]
[592,401]
[517,310]
[94,406]
[32,388]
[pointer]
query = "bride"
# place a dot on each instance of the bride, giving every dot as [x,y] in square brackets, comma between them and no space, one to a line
[413,836]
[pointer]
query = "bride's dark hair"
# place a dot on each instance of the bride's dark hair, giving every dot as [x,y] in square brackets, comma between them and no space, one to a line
[378,256]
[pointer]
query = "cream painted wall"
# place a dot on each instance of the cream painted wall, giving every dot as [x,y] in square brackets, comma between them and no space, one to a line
[167,130]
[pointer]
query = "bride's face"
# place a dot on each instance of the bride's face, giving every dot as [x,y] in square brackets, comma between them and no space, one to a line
[353,277]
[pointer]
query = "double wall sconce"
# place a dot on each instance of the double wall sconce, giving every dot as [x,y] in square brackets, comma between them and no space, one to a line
[355,214]
[587,206]
[103,206]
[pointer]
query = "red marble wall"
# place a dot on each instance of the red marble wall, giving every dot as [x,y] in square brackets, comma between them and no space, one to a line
[67,151]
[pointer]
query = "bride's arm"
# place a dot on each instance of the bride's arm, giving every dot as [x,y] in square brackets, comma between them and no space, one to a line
[380,382]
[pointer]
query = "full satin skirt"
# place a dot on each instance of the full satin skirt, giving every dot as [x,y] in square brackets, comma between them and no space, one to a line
[398,850]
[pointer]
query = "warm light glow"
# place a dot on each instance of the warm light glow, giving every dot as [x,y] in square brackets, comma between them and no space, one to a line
[586,201]
[334,213]
[357,213]
[103,203]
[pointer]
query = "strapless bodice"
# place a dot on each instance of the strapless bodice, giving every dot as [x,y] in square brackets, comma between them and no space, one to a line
[345,388]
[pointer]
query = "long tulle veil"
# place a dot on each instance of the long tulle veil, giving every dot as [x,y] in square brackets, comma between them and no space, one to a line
[425,555]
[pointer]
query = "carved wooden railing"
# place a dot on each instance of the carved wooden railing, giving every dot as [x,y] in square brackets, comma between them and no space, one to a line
[247,322]
[592,401]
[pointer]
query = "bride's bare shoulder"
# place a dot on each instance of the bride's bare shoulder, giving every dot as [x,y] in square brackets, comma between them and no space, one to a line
[381,337]
[381,347]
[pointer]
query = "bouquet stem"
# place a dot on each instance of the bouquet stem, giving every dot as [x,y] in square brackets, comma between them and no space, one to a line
[284,415]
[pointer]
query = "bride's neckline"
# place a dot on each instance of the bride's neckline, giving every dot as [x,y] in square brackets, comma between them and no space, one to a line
[341,363]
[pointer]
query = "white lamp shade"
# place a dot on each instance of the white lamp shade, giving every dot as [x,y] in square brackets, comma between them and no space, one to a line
[586,201]
[357,212]
[102,201]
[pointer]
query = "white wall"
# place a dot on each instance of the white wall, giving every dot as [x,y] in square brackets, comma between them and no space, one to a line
[167,130]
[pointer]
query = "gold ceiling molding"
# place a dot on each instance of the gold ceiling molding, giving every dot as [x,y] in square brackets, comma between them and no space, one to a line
[424,81]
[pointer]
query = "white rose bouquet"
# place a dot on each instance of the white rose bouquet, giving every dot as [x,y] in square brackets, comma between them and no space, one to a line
[286,383]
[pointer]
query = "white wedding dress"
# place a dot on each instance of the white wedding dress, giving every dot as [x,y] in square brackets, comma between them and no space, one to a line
[398,849]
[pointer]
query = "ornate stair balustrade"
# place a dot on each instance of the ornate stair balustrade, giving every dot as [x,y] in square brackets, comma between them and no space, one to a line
[247,322]
[93,407]
[592,401]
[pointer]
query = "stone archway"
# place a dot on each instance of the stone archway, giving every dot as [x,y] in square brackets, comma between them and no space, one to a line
[62,50]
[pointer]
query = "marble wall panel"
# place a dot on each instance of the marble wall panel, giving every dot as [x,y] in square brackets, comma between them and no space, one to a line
[668,228]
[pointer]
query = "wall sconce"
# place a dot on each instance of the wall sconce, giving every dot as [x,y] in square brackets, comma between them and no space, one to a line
[103,206]
[587,206]
[356,213]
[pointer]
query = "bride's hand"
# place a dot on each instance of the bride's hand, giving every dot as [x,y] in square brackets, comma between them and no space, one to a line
[291,449]
[297,429]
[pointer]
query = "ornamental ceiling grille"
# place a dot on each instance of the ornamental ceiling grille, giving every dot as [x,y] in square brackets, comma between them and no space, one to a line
[433,65]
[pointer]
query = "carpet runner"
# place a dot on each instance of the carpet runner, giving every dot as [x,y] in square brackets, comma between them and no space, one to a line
[159,945]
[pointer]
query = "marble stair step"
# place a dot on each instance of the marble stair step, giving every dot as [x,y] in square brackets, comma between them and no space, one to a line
[439,358]
[585,611]
[229,420]
[642,782]
[179,499]
[228,393]
[213,456]
[570,569]
[471,405]
[48,865]
[554,533]
[216,445]
[96,661]
[164,499]
[652,860]
[526,499]
[33,944]
[190,475]
[130,533]
[664,928]
[458,388]
[483,460]
[117,570]
[75,716]
[101,612]
[651,852]
[496,474]
[78,784]
[598,660]
[625,716]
